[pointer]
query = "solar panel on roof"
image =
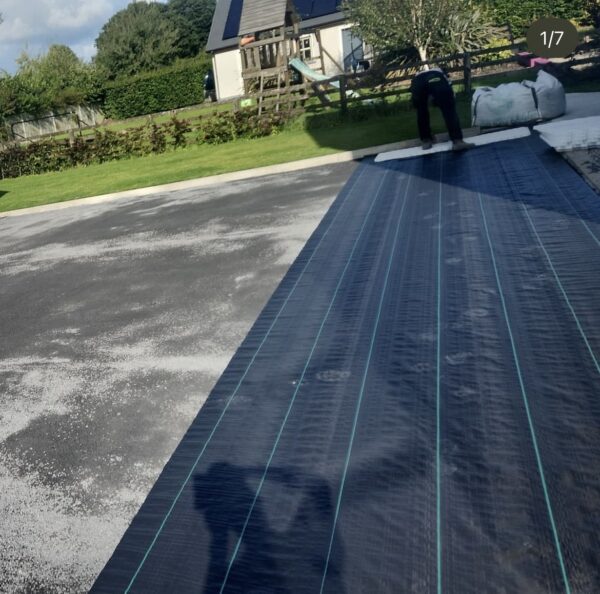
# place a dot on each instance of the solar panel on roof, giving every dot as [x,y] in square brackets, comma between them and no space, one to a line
[232,26]
[310,9]
[307,9]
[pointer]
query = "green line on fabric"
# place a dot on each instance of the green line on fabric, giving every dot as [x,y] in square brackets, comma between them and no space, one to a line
[234,393]
[562,289]
[526,403]
[587,228]
[438,445]
[300,381]
[363,385]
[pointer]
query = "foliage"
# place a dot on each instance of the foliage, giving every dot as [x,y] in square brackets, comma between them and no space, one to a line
[52,155]
[158,139]
[137,39]
[500,55]
[52,80]
[520,14]
[466,30]
[178,131]
[432,27]
[229,126]
[193,19]
[169,88]
[592,12]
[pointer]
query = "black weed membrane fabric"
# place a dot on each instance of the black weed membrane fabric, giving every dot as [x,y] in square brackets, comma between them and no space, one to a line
[417,409]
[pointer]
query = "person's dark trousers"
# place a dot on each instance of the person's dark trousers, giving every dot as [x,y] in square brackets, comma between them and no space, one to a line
[434,84]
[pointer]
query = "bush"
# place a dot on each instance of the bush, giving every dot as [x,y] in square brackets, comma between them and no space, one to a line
[228,126]
[158,139]
[169,88]
[520,14]
[178,130]
[53,155]
[135,142]
[108,146]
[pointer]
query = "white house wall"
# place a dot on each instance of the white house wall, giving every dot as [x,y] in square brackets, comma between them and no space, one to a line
[331,38]
[227,68]
[227,64]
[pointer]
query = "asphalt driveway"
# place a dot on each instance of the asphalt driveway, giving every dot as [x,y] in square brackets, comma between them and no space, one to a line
[116,320]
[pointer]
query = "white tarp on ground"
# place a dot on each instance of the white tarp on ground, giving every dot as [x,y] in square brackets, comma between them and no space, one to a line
[480,140]
[582,133]
[581,105]
[519,103]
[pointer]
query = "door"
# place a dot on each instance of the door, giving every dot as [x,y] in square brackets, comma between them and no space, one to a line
[353,49]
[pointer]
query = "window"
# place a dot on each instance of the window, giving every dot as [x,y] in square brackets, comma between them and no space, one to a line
[306,48]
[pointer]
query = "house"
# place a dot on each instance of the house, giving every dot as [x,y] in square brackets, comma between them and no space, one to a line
[327,43]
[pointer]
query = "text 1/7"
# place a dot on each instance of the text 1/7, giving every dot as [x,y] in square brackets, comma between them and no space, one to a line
[549,39]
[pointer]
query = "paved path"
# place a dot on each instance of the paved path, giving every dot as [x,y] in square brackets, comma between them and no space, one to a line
[115,322]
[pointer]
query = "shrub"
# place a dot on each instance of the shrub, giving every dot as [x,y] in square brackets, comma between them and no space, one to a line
[169,88]
[53,155]
[158,139]
[227,126]
[521,13]
[135,142]
[178,130]
[108,146]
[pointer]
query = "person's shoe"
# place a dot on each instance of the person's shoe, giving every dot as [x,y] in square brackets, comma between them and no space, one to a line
[461,145]
[426,145]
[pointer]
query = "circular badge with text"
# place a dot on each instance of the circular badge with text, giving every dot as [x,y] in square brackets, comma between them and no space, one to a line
[551,37]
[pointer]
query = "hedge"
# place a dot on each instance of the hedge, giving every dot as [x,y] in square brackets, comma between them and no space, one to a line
[522,13]
[55,155]
[169,88]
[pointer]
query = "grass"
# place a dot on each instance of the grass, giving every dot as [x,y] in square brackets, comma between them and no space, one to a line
[312,135]
[191,113]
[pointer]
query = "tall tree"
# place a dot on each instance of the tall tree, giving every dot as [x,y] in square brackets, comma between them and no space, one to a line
[193,19]
[139,38]
[428,26]
[54,79]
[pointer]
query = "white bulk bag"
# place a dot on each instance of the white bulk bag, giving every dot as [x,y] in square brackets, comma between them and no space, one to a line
[504,105]
[519,103]
[550,94]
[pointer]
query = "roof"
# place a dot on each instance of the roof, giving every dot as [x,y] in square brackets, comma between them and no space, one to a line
[228,16]
[261,15]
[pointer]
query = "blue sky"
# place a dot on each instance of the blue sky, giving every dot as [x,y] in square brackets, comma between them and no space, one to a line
[34,25]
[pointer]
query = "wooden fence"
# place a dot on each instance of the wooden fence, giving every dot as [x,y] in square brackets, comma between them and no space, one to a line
[464,69]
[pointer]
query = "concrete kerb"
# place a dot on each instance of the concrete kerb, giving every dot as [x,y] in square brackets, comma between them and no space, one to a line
[205,182]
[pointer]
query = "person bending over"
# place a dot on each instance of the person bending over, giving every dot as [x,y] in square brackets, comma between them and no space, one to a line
[435,84]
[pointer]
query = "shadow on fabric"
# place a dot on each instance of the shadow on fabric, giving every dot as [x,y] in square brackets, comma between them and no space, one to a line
[525,171]
[285,541]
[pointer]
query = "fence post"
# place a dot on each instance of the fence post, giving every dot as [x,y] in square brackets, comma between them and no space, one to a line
[467,73]
[343,95]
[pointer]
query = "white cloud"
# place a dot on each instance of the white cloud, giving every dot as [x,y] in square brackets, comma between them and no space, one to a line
[76,14]
[33,25]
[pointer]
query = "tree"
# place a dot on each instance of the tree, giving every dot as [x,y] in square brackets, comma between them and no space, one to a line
[428,26]
[520,14]
[193,19]
[592,9]
[137,39]
[54,79]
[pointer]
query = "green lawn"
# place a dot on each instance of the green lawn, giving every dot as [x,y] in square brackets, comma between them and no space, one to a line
[190,113]
[311,136]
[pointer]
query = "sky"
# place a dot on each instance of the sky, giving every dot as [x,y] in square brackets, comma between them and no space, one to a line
[34,25]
